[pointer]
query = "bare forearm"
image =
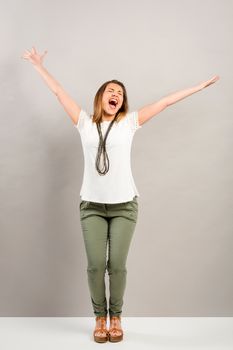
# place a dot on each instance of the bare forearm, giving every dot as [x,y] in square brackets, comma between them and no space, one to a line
[180,95]
[147,112]
[48,78]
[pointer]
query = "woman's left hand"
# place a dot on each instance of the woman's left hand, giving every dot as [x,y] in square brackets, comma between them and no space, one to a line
[208,82]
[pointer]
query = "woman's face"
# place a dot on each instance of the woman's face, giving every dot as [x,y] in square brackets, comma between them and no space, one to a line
[112,99]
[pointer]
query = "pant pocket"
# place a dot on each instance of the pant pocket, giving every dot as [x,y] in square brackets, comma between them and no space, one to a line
[84,204]
[132,205]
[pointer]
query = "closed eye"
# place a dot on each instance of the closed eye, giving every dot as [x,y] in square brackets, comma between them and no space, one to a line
[118,91]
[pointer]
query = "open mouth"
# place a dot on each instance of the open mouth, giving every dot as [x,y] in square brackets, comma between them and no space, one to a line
[113,103]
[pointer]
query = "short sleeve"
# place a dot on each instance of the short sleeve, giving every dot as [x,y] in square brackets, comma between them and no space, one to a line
[82,120]
[133,121]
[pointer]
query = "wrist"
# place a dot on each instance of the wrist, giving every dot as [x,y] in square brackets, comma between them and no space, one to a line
[38,66]
[200,86]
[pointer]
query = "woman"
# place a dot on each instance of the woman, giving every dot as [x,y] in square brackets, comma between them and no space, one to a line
[109,205]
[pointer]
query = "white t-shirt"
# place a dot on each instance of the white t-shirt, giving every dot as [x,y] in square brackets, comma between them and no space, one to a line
[117,185]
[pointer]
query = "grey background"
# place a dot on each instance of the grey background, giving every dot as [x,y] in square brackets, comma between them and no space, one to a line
[180,259]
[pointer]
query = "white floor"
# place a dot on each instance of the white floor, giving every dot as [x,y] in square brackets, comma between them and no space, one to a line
[142,333]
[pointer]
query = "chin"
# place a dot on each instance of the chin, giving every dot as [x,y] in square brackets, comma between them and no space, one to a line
[110,112]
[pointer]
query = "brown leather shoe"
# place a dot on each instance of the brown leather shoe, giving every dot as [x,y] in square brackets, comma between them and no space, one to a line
[115,330]
[100,332]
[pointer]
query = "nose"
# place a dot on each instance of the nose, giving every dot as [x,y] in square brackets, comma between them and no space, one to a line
[114,95]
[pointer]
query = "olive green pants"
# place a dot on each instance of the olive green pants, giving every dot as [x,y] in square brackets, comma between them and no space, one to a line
[112,226]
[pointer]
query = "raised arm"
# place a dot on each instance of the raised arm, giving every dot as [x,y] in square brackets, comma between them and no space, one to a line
[70,106]
[149,111]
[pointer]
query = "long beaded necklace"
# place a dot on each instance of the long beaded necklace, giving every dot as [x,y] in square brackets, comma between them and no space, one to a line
[102,149]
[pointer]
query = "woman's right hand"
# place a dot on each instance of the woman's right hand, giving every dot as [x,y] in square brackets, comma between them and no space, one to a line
[33,56]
